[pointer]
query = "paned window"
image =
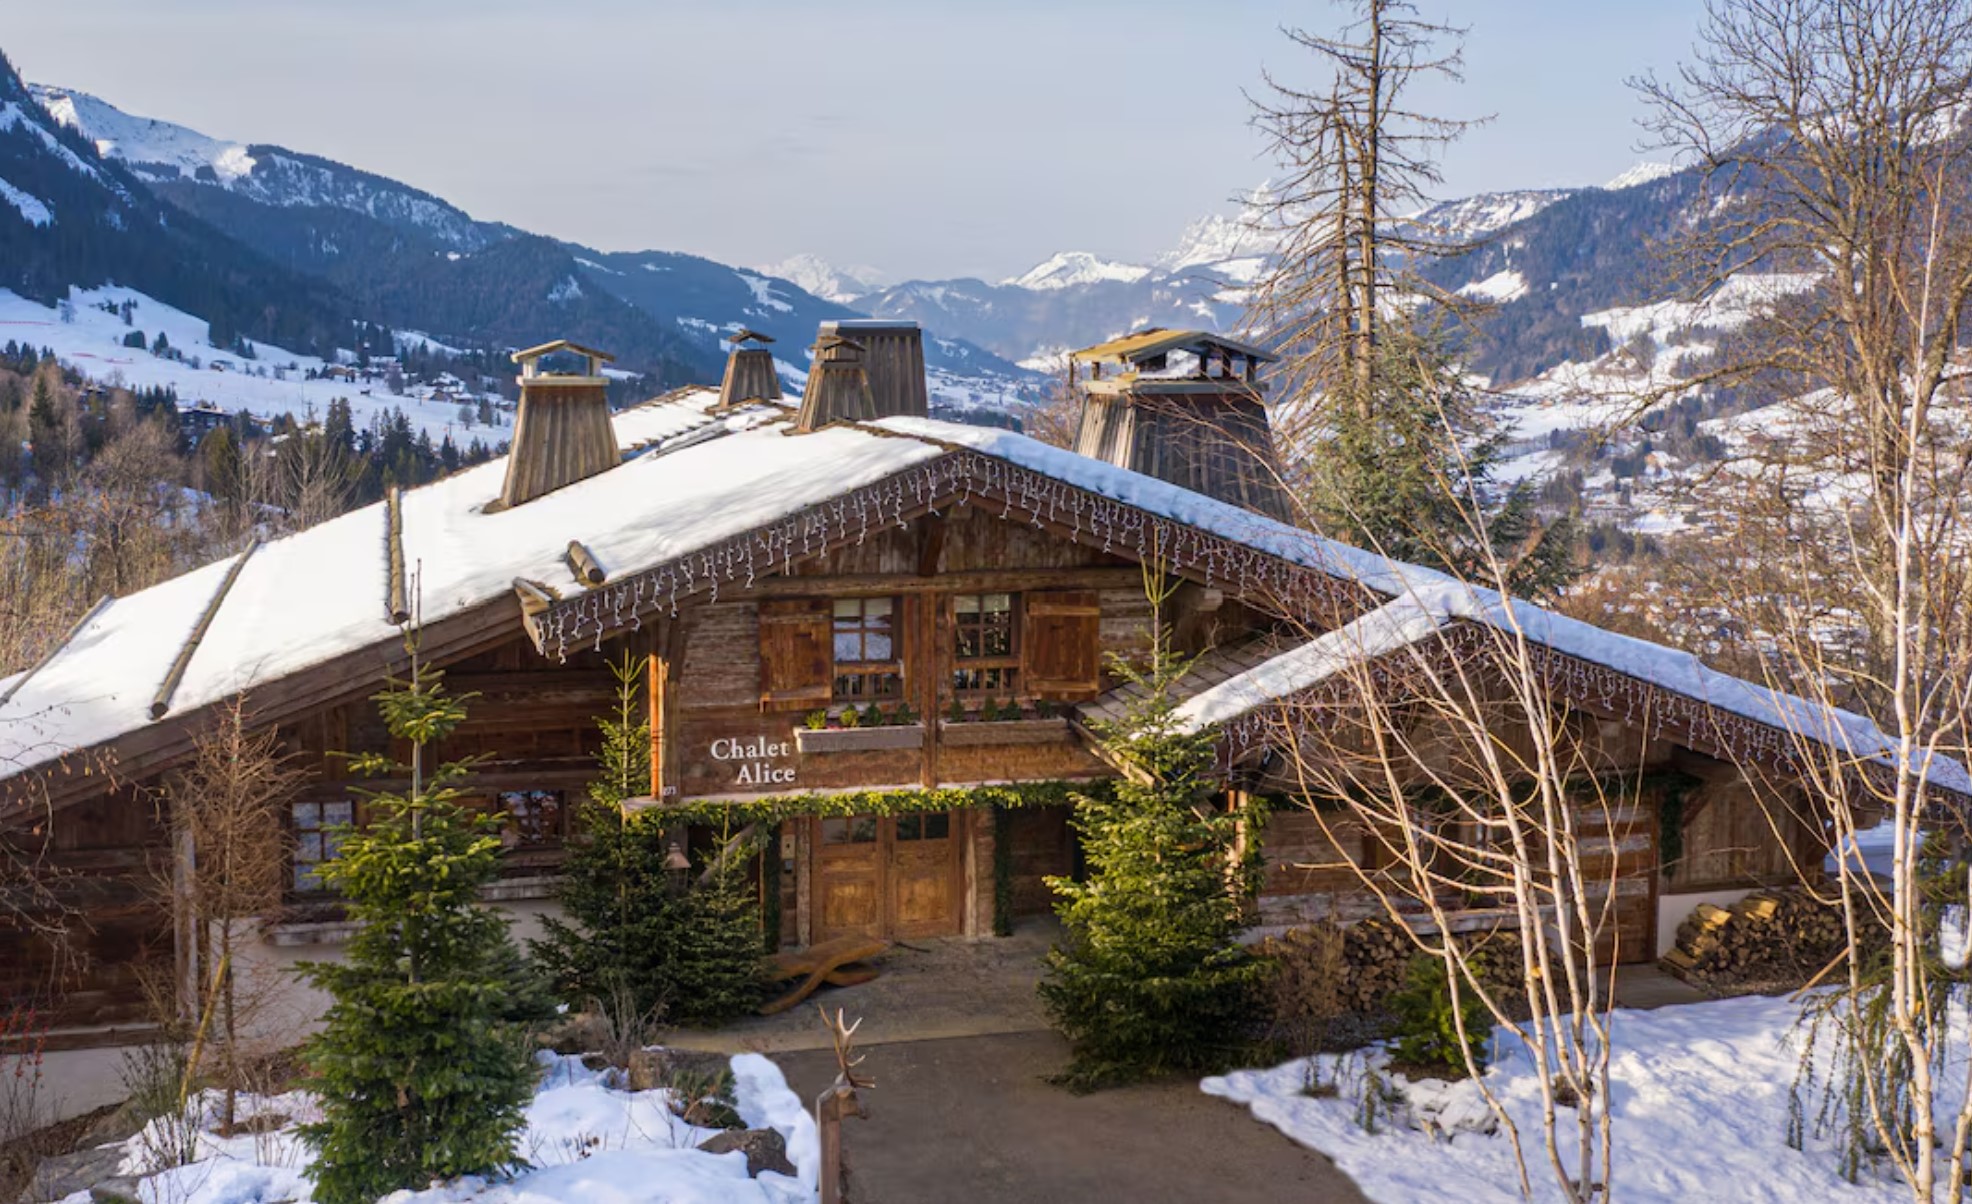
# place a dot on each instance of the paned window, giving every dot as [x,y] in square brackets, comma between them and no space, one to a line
[535,819]
[985,659]
[865,639]
[935,826]
[317,834]
[849,829]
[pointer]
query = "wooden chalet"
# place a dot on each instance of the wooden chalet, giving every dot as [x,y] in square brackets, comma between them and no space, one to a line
[782,564]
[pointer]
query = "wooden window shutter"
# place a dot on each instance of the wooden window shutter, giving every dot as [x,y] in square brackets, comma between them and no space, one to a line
[1061,644]
[797,662]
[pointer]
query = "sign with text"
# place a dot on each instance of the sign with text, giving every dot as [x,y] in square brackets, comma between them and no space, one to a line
[761,760]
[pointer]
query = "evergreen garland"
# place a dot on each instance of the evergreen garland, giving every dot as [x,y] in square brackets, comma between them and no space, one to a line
[421,1073]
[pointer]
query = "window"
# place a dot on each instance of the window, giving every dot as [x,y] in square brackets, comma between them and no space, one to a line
[534,818]
[984,655]
[316,838]
[866,665]
[850,829]
[935,826]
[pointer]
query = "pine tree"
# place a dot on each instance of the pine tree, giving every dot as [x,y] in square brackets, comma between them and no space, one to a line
[1149,980]
[1414,479]
[613,889]
[421,1074]
[691,954]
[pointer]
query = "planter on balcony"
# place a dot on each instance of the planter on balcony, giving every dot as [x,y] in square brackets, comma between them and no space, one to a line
[1007,731]
[858,739]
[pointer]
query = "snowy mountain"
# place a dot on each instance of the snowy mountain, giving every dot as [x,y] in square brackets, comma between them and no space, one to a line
[70,218]
[411,260]
[815,275]
[1071,268]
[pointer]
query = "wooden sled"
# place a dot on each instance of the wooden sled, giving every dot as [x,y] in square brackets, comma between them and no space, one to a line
[839,963]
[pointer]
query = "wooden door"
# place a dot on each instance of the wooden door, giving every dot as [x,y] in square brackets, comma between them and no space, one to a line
[924,862]
[895,876]
[849,877]
[1618,846]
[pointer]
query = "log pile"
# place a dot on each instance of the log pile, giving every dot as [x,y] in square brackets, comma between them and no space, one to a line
[1377,954]
[1770,937]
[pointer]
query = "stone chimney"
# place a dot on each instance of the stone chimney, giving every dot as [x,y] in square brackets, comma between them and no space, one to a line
[893,359]
[562,433]
[1184,407]
[750,373]
[838,387]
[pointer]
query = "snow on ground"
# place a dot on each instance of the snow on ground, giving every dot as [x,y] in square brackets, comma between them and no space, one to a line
[33,210]
[586,1142]
[1500,286]
[92,344]
[1701,1104]
[1642,173]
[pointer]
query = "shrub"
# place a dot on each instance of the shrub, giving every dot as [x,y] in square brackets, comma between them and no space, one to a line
[816,720]
[851,717]
[1305,970]
[873,716]
[1429,1013]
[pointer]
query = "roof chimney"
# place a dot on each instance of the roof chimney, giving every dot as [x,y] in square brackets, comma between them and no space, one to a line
[750,372]
[562,433]
[838,387]
[1198,423]
[893,359]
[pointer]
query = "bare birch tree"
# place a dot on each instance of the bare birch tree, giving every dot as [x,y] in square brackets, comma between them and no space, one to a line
[1443,762]
[1835,137]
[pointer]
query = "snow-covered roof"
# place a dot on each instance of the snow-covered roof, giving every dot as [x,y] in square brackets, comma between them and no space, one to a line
[691,481]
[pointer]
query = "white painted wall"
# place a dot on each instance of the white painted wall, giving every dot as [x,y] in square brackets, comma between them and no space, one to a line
[1673,910]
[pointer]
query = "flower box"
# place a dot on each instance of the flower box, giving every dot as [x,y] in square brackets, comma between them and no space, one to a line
[858,739]
[1003,731]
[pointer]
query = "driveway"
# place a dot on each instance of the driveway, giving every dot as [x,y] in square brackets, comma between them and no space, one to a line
[972,1119]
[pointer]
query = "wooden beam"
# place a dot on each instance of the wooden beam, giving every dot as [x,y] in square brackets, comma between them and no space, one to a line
[161,701]
[397,599]
[972,582]
[582,562]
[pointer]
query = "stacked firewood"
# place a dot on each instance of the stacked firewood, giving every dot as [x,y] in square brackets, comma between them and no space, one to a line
[1375,957]
[1780,935]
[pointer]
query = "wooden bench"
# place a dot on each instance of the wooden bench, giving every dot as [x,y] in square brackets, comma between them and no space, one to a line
[840,962]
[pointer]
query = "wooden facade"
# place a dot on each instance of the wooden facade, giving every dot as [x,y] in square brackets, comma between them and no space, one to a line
[965,632]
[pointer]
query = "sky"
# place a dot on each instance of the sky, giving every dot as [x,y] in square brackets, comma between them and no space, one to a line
[927,139]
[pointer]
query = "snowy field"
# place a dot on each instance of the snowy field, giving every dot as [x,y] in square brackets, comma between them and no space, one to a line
[586,1142]
[1701,1105]
[92,344]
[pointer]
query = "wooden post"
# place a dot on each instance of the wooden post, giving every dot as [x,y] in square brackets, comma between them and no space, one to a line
[837,1102]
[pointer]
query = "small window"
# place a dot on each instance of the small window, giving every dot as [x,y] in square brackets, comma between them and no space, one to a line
[850,829]
[935,826]
[984,652]
[535,819]
[865,640]
[317,836]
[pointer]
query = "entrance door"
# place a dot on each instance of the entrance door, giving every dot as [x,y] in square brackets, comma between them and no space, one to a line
[848,877]
[889,876]
[923,875]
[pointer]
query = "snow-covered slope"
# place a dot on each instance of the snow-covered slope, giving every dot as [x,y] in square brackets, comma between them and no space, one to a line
[818,276]
[1070,268]
[160,152]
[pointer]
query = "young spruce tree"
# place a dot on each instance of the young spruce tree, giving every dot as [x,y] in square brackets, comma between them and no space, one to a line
[421,1073]
[633,938]
[1149,980]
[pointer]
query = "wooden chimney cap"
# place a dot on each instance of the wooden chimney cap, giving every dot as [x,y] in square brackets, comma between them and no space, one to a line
[535,353]
[747,335]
